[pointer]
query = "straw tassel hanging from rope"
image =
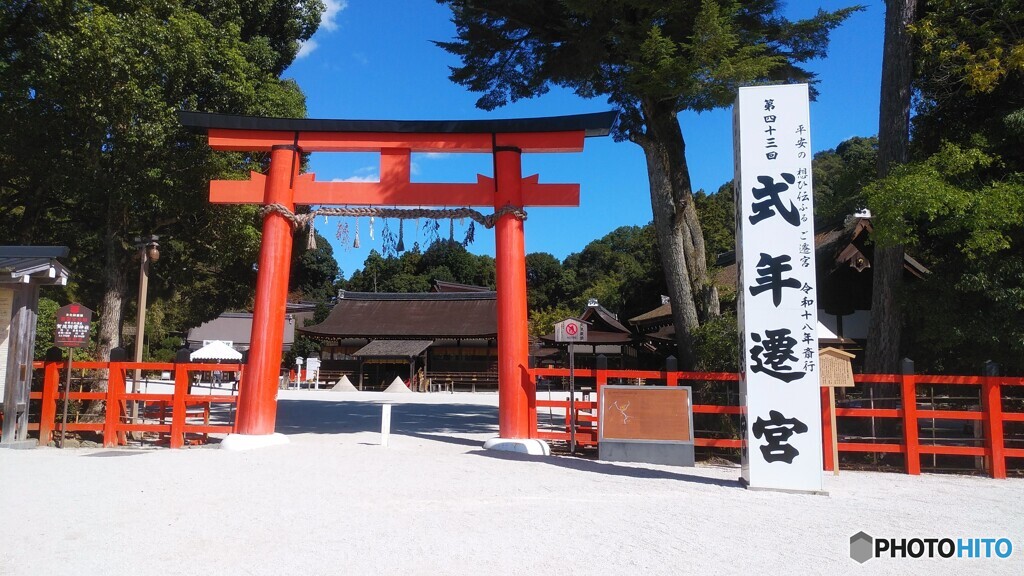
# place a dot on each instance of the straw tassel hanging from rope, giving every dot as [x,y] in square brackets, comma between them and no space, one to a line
[311,238]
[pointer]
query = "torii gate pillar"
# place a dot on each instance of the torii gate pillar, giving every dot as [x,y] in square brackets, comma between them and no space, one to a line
[257,400]
[514,397]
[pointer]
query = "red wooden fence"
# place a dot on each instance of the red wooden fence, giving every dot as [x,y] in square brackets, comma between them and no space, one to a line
[116,423]
[990,413]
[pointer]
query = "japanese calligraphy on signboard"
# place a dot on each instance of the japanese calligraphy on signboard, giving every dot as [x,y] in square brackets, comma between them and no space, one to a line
[72,326]
[777,307]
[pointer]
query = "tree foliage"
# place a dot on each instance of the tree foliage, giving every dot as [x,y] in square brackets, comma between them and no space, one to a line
[92,154]
[961,212]
[315,272]
[840,175]
[651,59]
[958,203]
[415,271]
[718,219]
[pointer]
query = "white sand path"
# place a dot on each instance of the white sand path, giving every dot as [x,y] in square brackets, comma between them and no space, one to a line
[334,502]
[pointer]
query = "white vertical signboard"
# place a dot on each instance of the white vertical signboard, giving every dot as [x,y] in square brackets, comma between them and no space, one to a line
[778,301]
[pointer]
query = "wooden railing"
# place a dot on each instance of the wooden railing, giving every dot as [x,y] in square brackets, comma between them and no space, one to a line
[990,413]
[168,415]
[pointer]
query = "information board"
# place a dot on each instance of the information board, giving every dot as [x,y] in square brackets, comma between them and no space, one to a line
[646,414]
[72,326]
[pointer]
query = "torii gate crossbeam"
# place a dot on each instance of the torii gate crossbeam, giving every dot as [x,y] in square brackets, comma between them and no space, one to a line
[286,139]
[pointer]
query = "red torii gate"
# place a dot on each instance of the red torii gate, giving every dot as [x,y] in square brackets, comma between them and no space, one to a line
[287,138]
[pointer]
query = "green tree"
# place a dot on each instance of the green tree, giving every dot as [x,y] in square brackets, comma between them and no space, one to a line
[415,271]
[840,176]
[962,215]
[542,321]
[543,275]
[315,272]
[651,59]
[450,261]
[718,219]
[91,149]
[622,270]
[959,200]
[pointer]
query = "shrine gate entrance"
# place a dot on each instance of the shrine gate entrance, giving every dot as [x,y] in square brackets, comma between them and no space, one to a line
[508,193]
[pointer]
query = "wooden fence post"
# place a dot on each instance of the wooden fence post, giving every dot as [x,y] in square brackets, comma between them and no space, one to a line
[530,382]
[992,424]
[600,381]
[911,444]
[115,391]
[826,430]
[671,371]
[51,384]
[181,386]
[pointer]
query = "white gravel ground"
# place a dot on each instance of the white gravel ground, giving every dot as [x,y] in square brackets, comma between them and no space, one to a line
[335,502]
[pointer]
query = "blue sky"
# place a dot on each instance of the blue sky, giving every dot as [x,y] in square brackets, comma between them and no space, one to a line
[373,59]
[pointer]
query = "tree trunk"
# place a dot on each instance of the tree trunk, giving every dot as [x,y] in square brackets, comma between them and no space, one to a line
[705,290]
[883,349]
[115,287]
[677,226]
[110,314]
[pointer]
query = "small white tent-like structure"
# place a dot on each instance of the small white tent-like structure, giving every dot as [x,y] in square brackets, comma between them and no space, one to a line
[216,350]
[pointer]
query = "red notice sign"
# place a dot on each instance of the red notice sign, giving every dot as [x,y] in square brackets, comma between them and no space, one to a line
[72,326]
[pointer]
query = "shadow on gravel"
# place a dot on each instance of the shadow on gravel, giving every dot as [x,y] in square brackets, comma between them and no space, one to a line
[428,421]
[608,468]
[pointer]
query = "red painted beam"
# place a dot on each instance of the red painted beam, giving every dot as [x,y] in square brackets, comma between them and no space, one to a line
[869,447]
[247,140]
[263,141]
[542,141]
[239,191]
[952,450]
[384,193]
[377,141]
[395,191]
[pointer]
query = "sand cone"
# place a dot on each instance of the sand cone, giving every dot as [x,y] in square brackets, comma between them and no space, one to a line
[344,385]
[397,385]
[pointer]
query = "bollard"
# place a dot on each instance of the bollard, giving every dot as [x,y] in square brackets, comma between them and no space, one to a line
[385,424]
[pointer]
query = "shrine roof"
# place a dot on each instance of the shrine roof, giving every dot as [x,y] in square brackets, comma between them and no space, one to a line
[393,348]
[419,316]
[33,264]
[594,124]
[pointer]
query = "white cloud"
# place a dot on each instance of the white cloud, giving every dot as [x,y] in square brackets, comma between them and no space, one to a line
[306,48]
[435,155]
[331,9]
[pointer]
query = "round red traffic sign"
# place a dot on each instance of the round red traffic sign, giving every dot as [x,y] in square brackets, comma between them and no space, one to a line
[572,329]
